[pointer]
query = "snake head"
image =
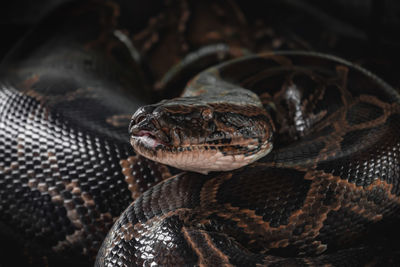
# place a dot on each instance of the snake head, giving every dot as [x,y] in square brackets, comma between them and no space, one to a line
[196,136]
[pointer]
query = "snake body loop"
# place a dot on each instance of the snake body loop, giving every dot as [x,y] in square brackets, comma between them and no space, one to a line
[339,126]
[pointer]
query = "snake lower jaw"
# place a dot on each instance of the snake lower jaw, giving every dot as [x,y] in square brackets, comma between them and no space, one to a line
[147,141]
[200,159]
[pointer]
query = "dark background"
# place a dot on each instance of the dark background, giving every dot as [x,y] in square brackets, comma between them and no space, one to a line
[364,31]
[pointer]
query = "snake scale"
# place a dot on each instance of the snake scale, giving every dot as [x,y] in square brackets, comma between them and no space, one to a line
[320,185]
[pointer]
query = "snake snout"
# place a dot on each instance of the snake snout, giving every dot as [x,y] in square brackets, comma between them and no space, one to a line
[144,123]
[140,115]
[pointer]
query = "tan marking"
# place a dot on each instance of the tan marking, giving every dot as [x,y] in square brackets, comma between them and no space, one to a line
[395,107]
[342,72]
[386,108]
[127,169]
[268,260]
[126,166]
[76,237]
[208,193]
[219,253]
[54,99]
[88,200]
[194,246]
[102,224]
[42,187]
[57,199]
[208,253]
[309,215]
[14,165]
[120,120]
[28,83]
[339,122]
[129,231]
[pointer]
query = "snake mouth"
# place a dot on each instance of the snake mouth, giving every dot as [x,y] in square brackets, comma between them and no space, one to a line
[148,139]
[201,158]
[146,133]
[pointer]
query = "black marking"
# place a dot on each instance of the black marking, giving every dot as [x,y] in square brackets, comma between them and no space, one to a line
[365,152]
[281,192]
[348,227]
[362,113]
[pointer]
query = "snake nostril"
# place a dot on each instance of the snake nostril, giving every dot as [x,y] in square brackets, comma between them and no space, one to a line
[135,120]
[142,113]
[140,118]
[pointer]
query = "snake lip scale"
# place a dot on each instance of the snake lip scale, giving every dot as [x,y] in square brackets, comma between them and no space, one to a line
[147,138]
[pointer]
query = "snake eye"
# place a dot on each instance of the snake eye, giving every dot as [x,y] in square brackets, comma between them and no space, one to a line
[207,114]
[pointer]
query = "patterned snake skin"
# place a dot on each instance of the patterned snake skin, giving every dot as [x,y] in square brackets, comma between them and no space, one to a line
[328,193]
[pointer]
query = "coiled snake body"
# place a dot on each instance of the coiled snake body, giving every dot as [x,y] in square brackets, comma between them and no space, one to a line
[67,170]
